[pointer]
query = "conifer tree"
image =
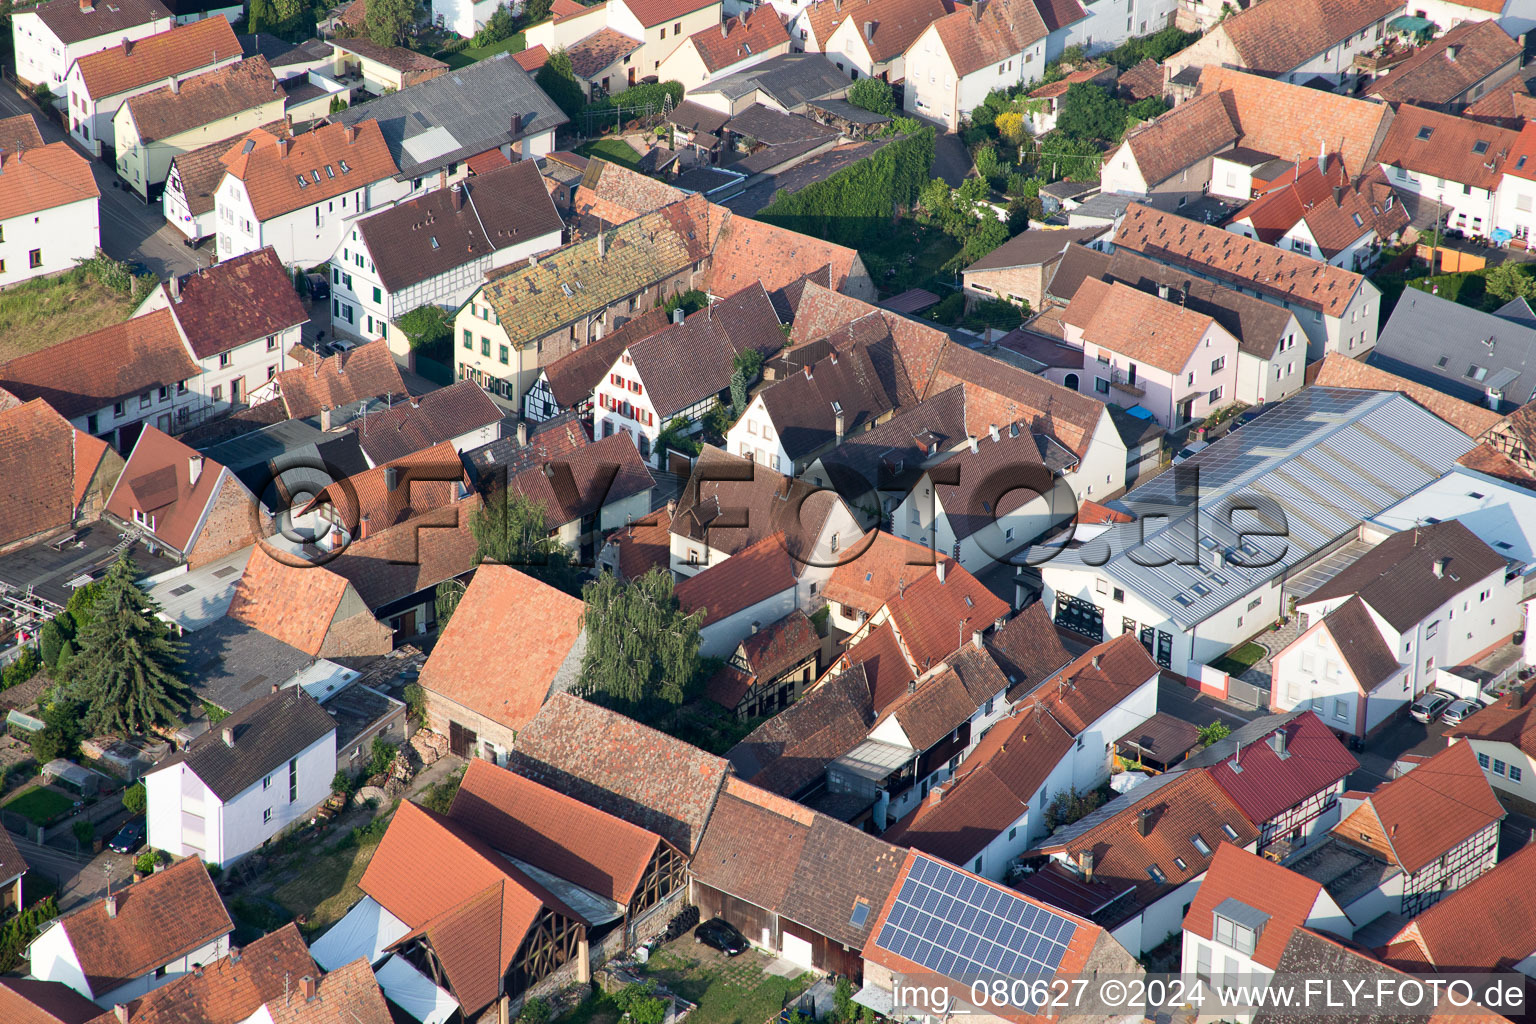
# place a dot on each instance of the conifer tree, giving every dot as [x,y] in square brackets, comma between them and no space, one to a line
[128,669]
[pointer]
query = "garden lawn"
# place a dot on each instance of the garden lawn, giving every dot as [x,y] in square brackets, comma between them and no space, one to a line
[1235,663]
[470,54]
[613,150]
[41,805]
[915,252]
[46,311]
[326,887]
[728,991]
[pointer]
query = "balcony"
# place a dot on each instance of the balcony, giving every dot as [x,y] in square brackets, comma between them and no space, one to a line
[1383,59]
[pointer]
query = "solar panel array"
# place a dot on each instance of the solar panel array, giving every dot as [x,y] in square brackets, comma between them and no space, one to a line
[955,925]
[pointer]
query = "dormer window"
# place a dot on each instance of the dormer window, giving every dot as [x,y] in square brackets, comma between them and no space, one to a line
[1234,935]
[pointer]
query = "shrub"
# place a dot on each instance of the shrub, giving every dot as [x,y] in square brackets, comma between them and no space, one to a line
[427,327]
[873,95]
[1069,805]
[51,640]
[1214,732]
[535,1011]
[416,703]
[381,756]
[215,713]
[641,1003]
[84,831]
[145,863]
[23,668]
[342,783]
[135,800]
[18,933]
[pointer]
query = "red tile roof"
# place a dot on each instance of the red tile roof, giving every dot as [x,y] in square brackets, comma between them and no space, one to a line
[752,575]
[1230,257]
[293,602]
[554,832]
[1258,883]
[988,32]
[736,39]
[897,24]
[176,51]
[474,906]
[644,544]
[530,60]
[1183,136]
[91,372]
[157,481]
[582,482]
[998,393]
[1431,809]
[591,753]
[423,422]
[529,627]
[1432,78]
[396,58]
[168,915]
[368,371]
[238,300]
[1510,719]
[20,132]
[1339,371]
[659,12]
[770,652]
[600,50]
[1327,203]
[1484,926]
[751,845]
[885,562]
[749,251]
[937,617]
[1269,785]
[1457,149]
[348,995]
[1028,649]
[1279,40]
[791,750]
[885,665]
[42,178]
[232,988]
[35,444]
[419,488]
[29,1001]
[271,167]
[1190,804]
[204,99]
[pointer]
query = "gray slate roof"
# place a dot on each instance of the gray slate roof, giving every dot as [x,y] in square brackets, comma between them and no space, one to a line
[791,79]
[231,664]
[459,114]
[1426,329]
[1329,458]
[266,733]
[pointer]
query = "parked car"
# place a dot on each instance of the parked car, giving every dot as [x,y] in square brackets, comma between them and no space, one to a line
[319,287]
[718,933]
[1190,450]
[129,838]
[1430,706]
[1462,709]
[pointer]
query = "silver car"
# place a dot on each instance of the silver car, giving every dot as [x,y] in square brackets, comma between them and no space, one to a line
[1461,710]
[1429,707]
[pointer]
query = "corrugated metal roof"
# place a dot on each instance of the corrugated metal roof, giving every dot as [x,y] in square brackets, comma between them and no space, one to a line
[1328,459]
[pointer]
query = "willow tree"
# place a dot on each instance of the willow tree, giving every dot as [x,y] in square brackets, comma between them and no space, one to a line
[128,669]
[641,647]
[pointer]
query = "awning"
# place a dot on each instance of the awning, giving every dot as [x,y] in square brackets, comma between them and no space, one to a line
[881,1000]
[366,932]
[414,992]
[1408,23]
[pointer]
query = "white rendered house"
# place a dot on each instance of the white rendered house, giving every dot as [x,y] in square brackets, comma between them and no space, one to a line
[47,39]
[254,774]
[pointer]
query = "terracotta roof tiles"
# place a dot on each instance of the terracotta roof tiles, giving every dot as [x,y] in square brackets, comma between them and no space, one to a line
[200,170]
[572,378]
[657,12]
[591,753]
[897,24]
[421,423]
[71,23]
[790,751]
[750,576]
[36,443]
[176,51]
[293,603]
[1138,325]
[330,160]
[1486,925]
[1183,136]
[43,178]
[989,31]
[1230,257]
[599,50]
[1455,148]
[237,300]
[750,251]
[1431,78]
[368,371]
[1281,38]
[535,626]
[204,99]
[998,393]
[1269,785]
[165,916]
[1283,895]
[885,562]
[29,1001]
[157,481]
[1340,371]
[93,371]
[397,58]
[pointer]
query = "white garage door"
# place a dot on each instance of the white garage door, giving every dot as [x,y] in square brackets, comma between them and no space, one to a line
[796,950]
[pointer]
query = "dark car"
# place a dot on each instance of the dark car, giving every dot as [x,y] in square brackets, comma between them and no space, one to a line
[717,933]
[129,838]
[319,287]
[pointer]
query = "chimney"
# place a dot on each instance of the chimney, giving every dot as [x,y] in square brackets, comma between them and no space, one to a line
[1162,291]
[522,433]
[362,527]
[839,425]
[85,5]
[1277,742]
[1451,52]
[756,626]
[1338,195]
[325,418]
[275,688]
[517,124]
[350,133]
[976,639]
[229,735]
[992,429]
[307,987]
[175,84]
[111,906]
[974,448]
[677,315]
[1085,864]
[869,31]
[174,284]
[940,568]
[194,469]
[602,244]
[1439,567]
[391,478]
[456,194]
[1144,821]
[119,1010]
[282,149]
[127,47]
[1001,621]
[1098,661]
[725,33]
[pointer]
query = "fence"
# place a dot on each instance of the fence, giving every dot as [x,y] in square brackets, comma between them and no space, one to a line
[592,121]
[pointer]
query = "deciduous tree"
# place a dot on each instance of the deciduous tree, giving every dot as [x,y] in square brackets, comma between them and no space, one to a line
[641,647]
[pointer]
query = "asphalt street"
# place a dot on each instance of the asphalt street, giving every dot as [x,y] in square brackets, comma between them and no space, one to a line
[130,230]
